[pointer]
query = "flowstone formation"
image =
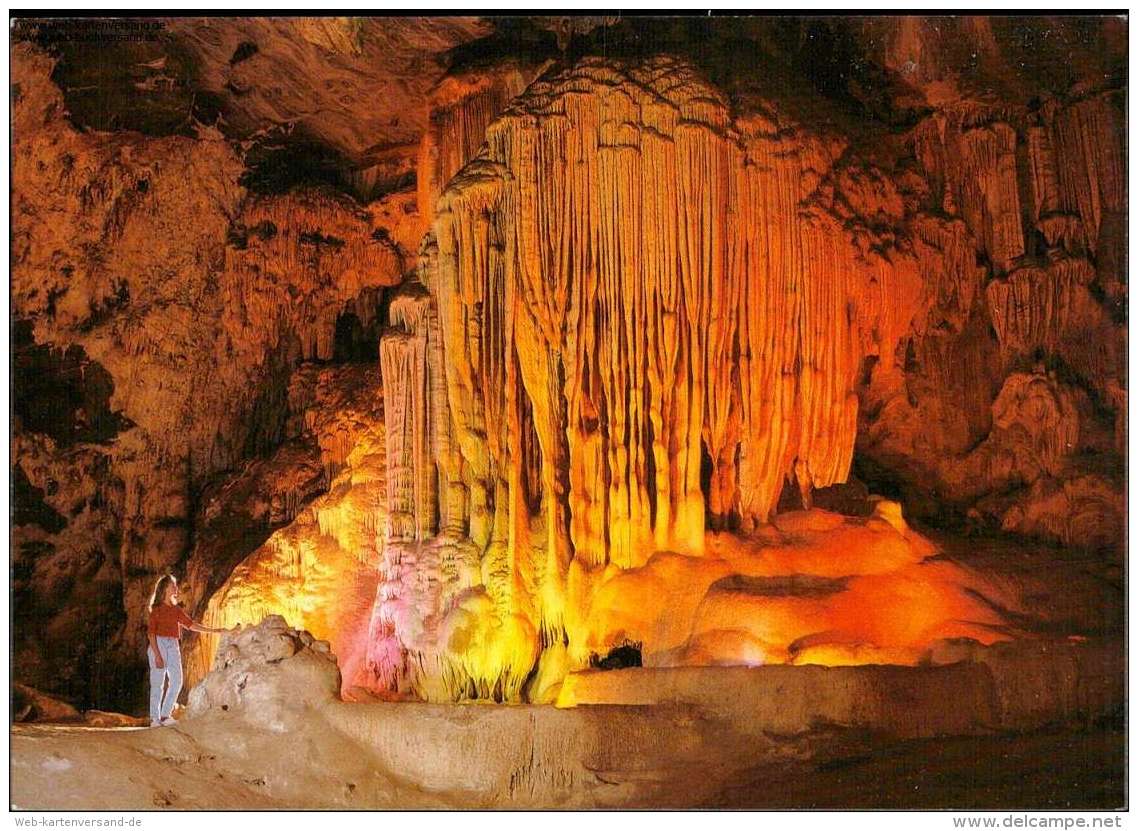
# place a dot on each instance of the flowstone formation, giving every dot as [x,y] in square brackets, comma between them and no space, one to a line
[587,383]
[319,568]
[645,309]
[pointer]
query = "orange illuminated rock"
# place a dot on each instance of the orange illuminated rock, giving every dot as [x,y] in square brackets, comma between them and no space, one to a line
[320,571]
[687,313]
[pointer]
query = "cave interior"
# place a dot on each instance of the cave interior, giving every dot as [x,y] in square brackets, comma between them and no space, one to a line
[499,351]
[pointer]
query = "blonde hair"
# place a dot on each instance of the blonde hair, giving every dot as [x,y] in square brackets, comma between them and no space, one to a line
[159,595]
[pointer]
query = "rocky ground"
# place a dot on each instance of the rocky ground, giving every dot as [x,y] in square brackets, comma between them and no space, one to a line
[227,764]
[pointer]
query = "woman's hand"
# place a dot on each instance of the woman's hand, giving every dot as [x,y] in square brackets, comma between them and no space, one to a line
[159,663]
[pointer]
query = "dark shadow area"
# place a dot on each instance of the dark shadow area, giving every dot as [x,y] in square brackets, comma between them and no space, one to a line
[283,161]
[29,506]
[920,502]
[122,74]
[850,498]
[619,657]
[965,772]
[514,37]
[356,343]
[60,392]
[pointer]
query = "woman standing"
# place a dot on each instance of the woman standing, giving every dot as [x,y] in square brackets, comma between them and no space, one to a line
[164,630]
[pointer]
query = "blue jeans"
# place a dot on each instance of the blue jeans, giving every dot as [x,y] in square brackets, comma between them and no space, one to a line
[162,707]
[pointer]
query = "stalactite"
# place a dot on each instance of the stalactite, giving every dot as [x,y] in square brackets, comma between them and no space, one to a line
[1037,307]
[461,108]
[970,153]
[600,353]
[418,421]
[403,359]
[671,275]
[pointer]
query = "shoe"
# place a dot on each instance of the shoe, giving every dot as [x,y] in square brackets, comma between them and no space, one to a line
[155,724]
[168,722]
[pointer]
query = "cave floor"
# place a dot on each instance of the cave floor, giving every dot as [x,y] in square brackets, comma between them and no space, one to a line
[230,765]
[1052,769]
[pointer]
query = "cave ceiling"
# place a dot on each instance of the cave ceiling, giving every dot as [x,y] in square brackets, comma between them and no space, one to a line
[342,100]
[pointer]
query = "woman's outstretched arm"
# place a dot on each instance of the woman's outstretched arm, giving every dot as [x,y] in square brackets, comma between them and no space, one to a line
[186,622]
[208,630]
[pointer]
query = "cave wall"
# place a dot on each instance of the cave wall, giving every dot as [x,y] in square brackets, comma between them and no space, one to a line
[1025,323]
[171,305]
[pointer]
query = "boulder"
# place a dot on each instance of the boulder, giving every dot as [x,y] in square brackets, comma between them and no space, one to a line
[265,672]
[30,704]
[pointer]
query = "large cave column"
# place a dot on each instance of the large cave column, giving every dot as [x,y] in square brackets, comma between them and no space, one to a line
[706,160]
[630,274]
[839,302]
[462,298]
[453,509]
[769,270]
[482,376]
[810,305]
[420,502]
